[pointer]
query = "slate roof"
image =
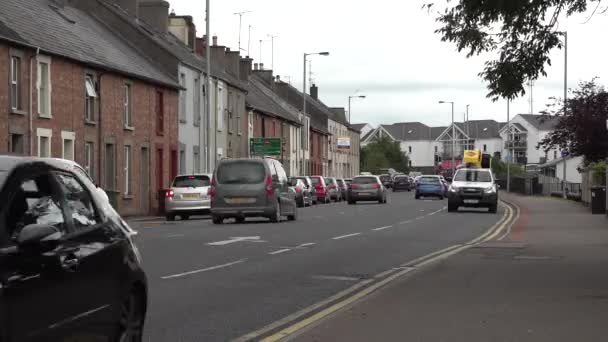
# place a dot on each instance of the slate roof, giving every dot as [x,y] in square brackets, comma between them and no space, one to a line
[481,129]
[541,122]
[436,131]
[405,131]
[73,34]
[317,113]
[260,97]
[358,127]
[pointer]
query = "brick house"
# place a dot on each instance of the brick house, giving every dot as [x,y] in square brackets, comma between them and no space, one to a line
[88,97]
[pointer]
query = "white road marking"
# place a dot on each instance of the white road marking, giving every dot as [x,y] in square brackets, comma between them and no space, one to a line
[280,251]
[175,235]
[345,236]
[329,277]
[235,239]
[419,217]
[203,269]
[405,222]
[433,213]
[307,244]
[421,209]
[382,228]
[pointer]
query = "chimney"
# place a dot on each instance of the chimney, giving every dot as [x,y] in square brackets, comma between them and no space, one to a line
[183,28]
[255,66]
[314,92]
[130,6]
[245,68]
[199,46]
[218,54]
[214,41]
[261,66]
[155,13]
[233,62]
[264,75]
[277,78]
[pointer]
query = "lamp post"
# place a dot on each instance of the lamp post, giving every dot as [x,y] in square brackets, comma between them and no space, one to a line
[351,97]
[325,53]
[453,138]
[565,155]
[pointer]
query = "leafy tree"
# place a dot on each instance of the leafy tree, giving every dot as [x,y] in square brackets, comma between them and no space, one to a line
[521,33]
[383,154]
[499,168]
[582,129]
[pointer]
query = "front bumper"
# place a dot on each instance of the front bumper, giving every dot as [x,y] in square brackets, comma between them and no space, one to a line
[481,199]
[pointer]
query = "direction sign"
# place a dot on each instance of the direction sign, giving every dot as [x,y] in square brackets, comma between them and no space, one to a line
[265,146]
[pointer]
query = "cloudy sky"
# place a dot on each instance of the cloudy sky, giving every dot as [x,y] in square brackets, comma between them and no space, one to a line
[388,51]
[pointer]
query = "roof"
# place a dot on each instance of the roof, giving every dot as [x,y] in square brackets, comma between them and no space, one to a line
[366,136]
[260,97]
[405,131]
[520,127]
[358,126]
[481,129]
[436,131]
[73,34]
[318,113]
[541,122]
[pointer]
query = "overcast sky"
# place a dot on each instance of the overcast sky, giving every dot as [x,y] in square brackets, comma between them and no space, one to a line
[388,51]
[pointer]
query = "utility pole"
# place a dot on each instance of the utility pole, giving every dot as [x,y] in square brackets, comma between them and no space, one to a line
[240,14]
[208,92]
[272,37]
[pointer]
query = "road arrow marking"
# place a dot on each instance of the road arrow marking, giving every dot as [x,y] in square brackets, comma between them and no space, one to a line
[236,239]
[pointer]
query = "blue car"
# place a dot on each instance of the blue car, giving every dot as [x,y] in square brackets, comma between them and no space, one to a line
[430,186]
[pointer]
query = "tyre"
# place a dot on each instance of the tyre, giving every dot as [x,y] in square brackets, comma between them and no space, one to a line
[441,197]
[132,316]
[494,208]
[240,219]
[184,217]
[351,202]
[276,216]
[417,196]
[294,216]
[170,217]
[217,220]
[452,207]
[300,203]
[381,200]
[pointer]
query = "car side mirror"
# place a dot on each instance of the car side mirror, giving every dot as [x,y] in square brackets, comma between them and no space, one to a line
[38,238]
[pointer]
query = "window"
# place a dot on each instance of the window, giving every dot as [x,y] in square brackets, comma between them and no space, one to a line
[472,176]
[197,102]
[191,181]
[89,158]
[110,163]
[182,161]
[127,106]
[436,149]
[250,118]
[239,126]
[79,202]
[44,142]
[219,103]
[44,86]
[241,172]
[409,149]
[90,98]
[127,171]
[17,144]
[182,98]
[554,154]
[196,157]
[485,148]
[67,144]
[15,83]
[160,113]
[274,128]
[229,113]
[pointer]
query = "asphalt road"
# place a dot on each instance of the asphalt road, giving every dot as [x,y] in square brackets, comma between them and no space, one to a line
[218,282]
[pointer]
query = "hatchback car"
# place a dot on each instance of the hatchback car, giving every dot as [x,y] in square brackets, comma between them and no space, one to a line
[321,188]
[59,243]
[333,189]
[343,187]
[366,188]
[310,189]
[429,186]
[303,195]
[188,195]
[402,183]
[243,188]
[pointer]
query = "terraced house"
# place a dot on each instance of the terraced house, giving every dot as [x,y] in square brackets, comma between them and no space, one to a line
[90,97]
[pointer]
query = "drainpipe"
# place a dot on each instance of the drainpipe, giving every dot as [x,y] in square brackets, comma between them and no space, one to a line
[99,130]
[31,118]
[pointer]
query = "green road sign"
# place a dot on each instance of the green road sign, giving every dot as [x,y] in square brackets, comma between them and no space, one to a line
[265,146]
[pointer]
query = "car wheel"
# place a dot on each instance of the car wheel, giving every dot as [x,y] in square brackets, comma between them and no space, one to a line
[217,220]
[170,217]
[441,197]
[299,203]
[132,316]
[276,216]
[417,196]
[294,216]
[494,208]
[351,202]
[184,217]
[240,219]
[452,207]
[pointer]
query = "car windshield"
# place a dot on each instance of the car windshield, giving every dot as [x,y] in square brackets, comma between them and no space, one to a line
[365,180]
[302,179]
[429,180]
[472,176]
[241,172]
[195,181]
[385,178]
[328,180]
[348,181]
[315,180]
[340,181]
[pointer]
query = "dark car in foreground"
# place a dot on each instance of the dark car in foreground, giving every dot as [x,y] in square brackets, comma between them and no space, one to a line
[429,186]
[366,188]
[402,183]
[69,268]
[473,188]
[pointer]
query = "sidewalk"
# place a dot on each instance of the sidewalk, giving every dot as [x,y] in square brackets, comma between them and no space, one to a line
[548,281]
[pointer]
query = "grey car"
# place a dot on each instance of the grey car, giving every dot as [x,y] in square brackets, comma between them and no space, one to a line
[366,188]
[188,196]
[243,188]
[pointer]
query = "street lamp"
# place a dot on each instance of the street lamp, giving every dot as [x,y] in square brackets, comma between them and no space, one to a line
[353,97]
[324,53]
[453,137]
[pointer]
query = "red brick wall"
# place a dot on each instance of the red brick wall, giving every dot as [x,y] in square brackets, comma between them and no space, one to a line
[4,98]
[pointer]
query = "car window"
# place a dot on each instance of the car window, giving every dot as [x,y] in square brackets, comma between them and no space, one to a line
[191,181]
[473,176]
[34,202]
[365,180]
[429,180]
[315,180]
[303,179]
[79,202]
[280,171]
[241,172]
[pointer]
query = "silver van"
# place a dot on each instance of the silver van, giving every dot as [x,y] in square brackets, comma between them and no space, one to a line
[243,188]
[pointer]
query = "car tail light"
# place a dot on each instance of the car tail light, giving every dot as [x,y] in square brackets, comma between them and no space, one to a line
[354,186]
[211,192]
[169,194]
[375,186]
[298,189]
[269,189]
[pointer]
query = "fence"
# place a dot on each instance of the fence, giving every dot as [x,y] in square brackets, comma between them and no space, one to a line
[542,185]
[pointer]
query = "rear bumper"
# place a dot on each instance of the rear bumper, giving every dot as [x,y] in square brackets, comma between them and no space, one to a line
[178,206]
[364,196]
[438,192]
[398,186]
[261,211]
[484,200]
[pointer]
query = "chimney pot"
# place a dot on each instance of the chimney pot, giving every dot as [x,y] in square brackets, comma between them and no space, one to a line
[278,78]
[255,66]
[261,66]
[314,91]
[214,40]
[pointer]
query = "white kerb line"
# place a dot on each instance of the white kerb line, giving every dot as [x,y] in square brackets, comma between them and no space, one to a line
[280,251]
[203,269]
[382,228]
[345,236]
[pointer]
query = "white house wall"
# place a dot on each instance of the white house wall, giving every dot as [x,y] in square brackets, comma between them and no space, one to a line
[189,135]
[423,151]
[572,174]
[492,145]
[533,137]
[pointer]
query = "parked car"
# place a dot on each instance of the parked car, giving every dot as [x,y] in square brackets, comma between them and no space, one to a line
[348,181]
[429,186]
[473,188]
[243,188]
[59,244]
[366,188]
[309,193]
[446,185]
[333,189]
[402,183]
[187,196]
[386,180]
[343,188]
[321,188]
[303,197]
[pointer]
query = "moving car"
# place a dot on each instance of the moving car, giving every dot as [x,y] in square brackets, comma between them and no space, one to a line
[366,188]
[402,183]
[335,194]
[70,269]
[188,195]
[386,180]
[429,186]
[343,188]
[473,188]
[242,188]
[307,195]
[320,188]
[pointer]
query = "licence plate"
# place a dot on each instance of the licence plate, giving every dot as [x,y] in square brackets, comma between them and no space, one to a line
[240,200]
[190,196]
[471,201]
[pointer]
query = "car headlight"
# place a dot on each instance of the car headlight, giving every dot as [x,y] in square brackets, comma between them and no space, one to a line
[489,190]
[454,188]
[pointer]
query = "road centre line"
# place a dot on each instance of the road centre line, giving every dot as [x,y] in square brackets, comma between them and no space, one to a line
[405,222]
[345,236]
[307,244]
[382,228]
[280,251]
[177,275]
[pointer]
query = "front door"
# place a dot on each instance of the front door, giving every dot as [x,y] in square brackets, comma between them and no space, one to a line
[144,180]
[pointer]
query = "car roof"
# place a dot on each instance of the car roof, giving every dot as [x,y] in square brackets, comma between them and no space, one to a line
[193,174]
[8,163]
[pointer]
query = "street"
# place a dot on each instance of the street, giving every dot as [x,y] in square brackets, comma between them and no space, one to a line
[219,282]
